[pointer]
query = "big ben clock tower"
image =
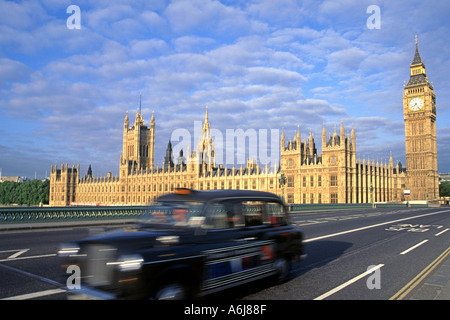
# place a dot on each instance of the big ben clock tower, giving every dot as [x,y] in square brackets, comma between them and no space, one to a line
[419,111]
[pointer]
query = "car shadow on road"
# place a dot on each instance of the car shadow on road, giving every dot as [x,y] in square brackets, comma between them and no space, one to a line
[319,253]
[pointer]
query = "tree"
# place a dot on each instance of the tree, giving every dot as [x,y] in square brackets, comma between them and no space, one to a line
[7,192]
[29,192]
[444,189]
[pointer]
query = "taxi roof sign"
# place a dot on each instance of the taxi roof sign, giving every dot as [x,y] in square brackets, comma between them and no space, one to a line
[183,191]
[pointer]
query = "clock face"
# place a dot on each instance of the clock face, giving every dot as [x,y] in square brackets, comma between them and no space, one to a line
[416,104]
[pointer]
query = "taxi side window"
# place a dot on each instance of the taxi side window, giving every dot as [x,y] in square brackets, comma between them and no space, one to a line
[262,212]
[252,212]
[224,215]
[232,214]
[274,213]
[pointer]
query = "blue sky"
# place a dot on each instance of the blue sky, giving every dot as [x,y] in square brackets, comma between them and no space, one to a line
[255,64]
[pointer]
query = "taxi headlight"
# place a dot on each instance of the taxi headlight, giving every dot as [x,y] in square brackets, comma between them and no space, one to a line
[68,250]
[128,262]
[168,239]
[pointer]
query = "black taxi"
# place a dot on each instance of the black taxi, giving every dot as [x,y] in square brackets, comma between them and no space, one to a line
[188,244]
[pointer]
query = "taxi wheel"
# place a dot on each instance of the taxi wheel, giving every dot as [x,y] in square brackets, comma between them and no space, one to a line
[283,266]
[171,291]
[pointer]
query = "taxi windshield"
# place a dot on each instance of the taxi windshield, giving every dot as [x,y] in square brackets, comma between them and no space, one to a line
[175,213]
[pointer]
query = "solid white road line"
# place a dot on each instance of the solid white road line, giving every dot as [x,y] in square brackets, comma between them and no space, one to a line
[12,250]
[15,255]
[35,294]
[438,234]
[30,257]
[371,226]
[413,247]
[342,286]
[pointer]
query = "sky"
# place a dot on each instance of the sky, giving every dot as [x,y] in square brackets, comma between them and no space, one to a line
[256,65]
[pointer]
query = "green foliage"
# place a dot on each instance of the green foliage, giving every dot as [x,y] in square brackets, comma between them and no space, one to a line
[29,192]
[444,189]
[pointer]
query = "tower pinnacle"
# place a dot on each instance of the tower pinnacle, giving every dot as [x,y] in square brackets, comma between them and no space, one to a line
[417,59]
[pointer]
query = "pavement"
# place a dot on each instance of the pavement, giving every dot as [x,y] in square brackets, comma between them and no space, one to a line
[436,284]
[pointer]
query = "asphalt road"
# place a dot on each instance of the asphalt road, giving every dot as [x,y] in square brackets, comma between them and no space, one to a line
[359,255]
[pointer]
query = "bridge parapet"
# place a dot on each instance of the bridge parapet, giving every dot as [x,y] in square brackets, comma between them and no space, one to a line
[47,214]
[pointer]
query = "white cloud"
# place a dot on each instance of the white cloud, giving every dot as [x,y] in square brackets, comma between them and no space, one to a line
[273,76]
[193,43]
[205,16]
[12,71]
[147,48]
[283,12]
[345,62]
[23,16]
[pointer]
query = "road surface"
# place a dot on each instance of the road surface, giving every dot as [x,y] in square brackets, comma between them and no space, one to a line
[355,254]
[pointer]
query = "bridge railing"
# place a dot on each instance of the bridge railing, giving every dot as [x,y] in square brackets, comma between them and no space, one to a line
[55,214]
[343,206]
[327,206]
[77,213]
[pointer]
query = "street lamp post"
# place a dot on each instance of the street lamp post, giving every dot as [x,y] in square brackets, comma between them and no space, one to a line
[371,194]
[282,182]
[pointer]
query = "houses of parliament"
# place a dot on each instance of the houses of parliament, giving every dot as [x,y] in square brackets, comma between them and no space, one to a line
[334,175]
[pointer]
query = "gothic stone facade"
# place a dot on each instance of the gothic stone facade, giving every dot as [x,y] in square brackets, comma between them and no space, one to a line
[336,175]
[333,176]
